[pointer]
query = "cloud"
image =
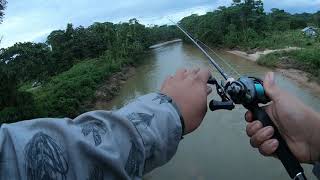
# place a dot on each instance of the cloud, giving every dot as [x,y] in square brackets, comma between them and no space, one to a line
[34,19]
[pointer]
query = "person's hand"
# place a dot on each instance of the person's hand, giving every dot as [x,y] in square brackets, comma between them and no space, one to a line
[189,90]
[298,124]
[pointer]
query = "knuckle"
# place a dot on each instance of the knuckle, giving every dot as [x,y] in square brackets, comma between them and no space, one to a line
[260,138]
[248,130]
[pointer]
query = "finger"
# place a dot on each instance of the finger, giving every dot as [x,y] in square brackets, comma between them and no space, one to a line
[204,75]
[188,73]
[261,136]
[270,86]
[249,116]
[209,90]
[180,74]
[269,147]
[253,128]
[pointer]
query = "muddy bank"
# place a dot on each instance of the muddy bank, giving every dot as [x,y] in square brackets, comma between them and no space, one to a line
[257,54]
[165,43]
[111,86]
[301,77]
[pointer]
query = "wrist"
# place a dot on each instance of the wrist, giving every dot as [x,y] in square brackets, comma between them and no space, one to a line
[181,117]
[178,110]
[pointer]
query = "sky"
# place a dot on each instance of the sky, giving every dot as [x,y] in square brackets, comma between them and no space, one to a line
[33,20]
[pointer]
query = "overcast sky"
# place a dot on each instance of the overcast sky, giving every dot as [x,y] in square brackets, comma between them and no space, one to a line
[33,20]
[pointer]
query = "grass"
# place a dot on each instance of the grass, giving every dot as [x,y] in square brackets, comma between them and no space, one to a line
[67,94]
[306,59]
[279,40]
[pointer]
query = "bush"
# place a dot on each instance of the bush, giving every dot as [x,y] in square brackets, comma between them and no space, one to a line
[24,109]
[9,114]
[307,59]
[270,60]
[65,94]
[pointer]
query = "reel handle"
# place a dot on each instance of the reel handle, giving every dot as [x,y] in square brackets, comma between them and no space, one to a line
[221,105]
[289,161]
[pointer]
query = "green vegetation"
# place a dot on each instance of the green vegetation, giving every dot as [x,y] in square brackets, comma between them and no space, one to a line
[245,25]
[2,7]
[67,93]
[279,39]
[59,78]
[307,59]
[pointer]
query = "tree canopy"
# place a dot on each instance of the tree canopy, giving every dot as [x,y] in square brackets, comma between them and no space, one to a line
[73,58]
[3,4]
[245,22]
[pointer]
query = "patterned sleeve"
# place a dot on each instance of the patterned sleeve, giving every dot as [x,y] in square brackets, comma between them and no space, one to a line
[124,144]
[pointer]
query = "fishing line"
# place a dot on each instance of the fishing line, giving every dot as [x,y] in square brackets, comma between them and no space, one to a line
[216,54]
[222,59]
[221,71]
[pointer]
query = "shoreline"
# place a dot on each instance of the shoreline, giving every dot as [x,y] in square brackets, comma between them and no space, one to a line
[111,86]
[255,56]
[164,43]
[302,78]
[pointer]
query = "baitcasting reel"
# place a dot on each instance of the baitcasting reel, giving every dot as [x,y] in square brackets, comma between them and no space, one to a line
[249,92]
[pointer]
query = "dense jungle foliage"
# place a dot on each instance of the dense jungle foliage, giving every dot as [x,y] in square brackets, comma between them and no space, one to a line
[58,77]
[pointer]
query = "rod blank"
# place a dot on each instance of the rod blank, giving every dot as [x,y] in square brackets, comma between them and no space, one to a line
[221,71]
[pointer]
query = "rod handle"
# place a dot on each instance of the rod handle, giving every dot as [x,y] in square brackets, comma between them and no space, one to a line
[283,152]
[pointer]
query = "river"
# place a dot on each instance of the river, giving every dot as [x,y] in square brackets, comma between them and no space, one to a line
[219,149]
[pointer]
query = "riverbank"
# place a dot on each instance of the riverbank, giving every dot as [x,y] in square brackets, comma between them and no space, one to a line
[165,43]
[111,87]
[302,78]
[257,54]
[283,64]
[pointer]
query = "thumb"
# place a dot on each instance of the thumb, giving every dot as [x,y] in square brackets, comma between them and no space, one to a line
[270,86]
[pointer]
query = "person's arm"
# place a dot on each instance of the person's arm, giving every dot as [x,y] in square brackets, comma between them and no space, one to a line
[124,144]
[119,145]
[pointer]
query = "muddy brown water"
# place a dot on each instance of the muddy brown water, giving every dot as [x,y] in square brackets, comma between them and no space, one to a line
[219,149]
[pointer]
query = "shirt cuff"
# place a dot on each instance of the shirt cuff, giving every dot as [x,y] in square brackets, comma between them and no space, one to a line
[175,106]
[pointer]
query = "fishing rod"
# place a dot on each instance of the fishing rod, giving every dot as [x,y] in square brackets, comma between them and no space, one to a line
[249,92]
[216,65]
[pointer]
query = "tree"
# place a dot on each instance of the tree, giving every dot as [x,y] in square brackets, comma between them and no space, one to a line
[279,19]
[14,104]
[28,61]
[297,23]
[316,18]
[3,4]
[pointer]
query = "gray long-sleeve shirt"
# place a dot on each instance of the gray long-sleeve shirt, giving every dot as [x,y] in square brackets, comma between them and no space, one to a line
[124,144]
